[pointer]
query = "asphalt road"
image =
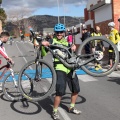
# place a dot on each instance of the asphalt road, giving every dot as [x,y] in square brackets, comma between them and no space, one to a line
[99,98]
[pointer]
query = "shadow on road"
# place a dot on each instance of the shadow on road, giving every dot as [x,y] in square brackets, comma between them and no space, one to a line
[26,107]
[115,79]
[46,104]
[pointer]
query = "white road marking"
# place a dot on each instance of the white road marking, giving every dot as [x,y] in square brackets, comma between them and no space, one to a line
[21,53]
[113,74]
[87,78]
[61,111]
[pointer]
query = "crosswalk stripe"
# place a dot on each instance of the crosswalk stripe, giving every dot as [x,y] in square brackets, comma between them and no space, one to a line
[113,74]
[86,78]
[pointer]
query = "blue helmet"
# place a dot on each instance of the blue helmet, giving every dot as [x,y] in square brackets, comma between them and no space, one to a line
[59,27]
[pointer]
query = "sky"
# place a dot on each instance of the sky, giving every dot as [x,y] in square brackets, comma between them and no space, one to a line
[27,8]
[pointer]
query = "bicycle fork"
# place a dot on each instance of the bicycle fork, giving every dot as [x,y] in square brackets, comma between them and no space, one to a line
[13,76]
[38,72]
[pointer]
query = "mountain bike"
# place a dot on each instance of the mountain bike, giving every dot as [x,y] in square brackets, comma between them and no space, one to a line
[43,75]
[10,83]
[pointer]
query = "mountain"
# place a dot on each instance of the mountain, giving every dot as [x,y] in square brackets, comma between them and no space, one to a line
[38,22]
[47,21]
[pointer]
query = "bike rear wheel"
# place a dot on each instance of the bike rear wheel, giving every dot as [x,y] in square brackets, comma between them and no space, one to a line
[100,58]
[41,83]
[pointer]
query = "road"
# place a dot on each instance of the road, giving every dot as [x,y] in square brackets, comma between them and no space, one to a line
[99,98]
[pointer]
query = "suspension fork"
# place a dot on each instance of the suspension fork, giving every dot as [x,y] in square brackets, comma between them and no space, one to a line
[39,56]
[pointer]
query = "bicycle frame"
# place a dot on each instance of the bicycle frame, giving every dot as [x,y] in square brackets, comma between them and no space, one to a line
[8,67]
[71,62]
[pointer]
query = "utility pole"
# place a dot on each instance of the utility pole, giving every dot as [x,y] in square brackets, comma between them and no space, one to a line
[58,11]
[64,11]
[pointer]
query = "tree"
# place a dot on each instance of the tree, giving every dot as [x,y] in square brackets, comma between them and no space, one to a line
[0,2]
[3,15]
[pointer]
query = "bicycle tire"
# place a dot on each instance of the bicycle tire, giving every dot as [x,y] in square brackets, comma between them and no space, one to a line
[31,94]
[106,42]
[9,90]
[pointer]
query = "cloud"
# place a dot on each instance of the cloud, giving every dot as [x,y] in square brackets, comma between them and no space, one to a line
[30,6]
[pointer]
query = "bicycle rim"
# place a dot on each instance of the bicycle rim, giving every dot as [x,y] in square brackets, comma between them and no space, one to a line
[100,65]
[10,90]
[38,86]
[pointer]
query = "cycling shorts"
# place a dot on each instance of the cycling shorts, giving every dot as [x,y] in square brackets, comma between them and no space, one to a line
[62,79]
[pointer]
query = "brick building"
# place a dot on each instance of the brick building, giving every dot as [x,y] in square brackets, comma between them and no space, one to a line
[101,12]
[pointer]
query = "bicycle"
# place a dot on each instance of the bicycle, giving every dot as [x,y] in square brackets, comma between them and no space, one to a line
[10,83]
[38,68]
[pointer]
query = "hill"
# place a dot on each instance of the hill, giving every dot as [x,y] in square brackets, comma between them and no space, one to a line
[38,22]
[47,21]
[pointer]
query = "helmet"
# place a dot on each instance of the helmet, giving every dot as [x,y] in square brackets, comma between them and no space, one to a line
[59,27]
[111,24]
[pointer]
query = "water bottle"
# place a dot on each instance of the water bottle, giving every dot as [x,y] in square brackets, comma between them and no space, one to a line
[60,53]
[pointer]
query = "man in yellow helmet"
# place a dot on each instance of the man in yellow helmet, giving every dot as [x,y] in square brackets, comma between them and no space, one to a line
[64,74]
[114,37]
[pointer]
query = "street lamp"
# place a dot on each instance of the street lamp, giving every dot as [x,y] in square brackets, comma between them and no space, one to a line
[58,11]
[64,11]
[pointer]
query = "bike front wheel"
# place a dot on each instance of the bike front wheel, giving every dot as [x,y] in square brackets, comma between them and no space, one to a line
[10,87]
[98,57]
[41,83]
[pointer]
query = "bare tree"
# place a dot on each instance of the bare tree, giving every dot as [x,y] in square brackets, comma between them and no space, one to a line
[18,19]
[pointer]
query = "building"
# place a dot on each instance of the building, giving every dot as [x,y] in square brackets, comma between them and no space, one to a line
[101,12]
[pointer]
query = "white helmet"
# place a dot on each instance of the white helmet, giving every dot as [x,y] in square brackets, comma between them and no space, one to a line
[111,24]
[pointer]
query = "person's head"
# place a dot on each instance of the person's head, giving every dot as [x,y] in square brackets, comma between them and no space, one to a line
[4,36]
[92,30]
[59,30]
[97,29]
[111,25]
[85,30]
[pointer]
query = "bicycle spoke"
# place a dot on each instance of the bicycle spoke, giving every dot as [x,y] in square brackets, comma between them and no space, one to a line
[40,81]
[99,66]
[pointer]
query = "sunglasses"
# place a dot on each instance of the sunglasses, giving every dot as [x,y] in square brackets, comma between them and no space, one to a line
[59,32]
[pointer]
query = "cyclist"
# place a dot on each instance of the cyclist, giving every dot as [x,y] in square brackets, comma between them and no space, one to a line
[64,74]
[114,37]
[4,36]
[97,46]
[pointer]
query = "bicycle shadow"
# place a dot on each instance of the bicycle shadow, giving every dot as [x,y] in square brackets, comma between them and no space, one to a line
[23,106]
[47,104]
[26,107]
[4,98]
[66,100]
[114,79]
[31,108]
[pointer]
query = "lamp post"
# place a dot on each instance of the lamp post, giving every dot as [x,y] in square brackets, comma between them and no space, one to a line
[64,11]
[58,11]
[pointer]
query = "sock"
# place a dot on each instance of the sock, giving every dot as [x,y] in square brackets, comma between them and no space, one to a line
[72,105]
[55,109]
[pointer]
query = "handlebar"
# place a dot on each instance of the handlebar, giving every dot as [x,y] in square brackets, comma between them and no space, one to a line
[10,64]
[39,39]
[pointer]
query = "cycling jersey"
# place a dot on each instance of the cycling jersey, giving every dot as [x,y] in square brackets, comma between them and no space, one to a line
[114,36]
[97,42]
[58,65]
[2,50]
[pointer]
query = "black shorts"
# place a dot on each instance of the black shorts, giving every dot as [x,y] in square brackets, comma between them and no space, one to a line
[62,79]
[112,55]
